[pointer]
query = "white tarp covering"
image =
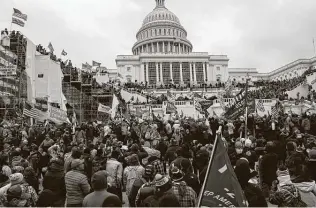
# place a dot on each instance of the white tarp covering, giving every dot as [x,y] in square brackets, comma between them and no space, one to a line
[30,70]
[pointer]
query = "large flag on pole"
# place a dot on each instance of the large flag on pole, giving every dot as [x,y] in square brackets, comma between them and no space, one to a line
[94,63]
[260,106]
[18,22]
[19,14]
[50,47]
[64,53]
[115,104]
[221,187]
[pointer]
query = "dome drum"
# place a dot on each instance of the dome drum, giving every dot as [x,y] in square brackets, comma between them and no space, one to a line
[161,32]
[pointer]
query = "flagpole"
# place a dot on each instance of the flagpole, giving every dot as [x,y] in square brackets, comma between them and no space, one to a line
[313,45]
[246,108]
[218,136]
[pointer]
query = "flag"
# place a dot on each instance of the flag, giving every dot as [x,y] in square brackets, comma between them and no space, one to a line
[104,109]
[221,187]
[32,112]
[17,22]
[64,53]
[222,103]
[274,112]
[94,63]
[19,14]
[260,106]
[171,108]
[229,86]
[115,104]
[119,75]
[170,96]
[50,47]
[198,106]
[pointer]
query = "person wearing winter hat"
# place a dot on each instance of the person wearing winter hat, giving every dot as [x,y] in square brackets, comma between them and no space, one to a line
[283,192]
[253,194]
[143,187]
[77,185]
[184,193]
[312,162]
[14,197]
[100,195]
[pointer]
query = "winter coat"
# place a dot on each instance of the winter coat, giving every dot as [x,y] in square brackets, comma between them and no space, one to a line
[268,168]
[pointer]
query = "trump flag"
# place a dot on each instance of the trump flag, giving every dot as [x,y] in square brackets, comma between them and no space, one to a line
[221,187]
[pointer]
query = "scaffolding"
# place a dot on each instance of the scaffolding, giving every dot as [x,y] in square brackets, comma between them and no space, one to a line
[84,95]
[13,84]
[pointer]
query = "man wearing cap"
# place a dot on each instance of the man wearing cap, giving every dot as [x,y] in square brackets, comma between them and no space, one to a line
[77,186]
[100,197]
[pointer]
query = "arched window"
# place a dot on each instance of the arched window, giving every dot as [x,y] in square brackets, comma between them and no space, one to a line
[164,31]
[159,31]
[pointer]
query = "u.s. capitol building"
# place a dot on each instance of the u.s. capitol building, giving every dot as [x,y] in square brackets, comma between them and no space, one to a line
[163,55]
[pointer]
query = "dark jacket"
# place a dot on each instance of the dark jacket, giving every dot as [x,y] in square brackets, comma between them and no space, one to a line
[268,168]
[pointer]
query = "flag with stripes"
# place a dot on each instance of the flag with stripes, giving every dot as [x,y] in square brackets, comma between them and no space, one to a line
[198,106]
[171,108]
[50,47]
[260,106]
[229,86]
[64,53]
[94,63]
[222,103]
[19,14]
[32,112]
[225,191]
[274,112]
[170,96]
[18,22]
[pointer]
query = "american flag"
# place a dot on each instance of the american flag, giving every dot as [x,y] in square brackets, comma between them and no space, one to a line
[17,22]
[260,106]
[222,102]
[50,47]
[19,14]
[94,63]
[274,112]
[64,53]
[198,106]
[170,96]
[171,108]
[33,112]
[229,86]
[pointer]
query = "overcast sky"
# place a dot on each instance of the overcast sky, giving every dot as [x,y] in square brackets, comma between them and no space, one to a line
[265,34]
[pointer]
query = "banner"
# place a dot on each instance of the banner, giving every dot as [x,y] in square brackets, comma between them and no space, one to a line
[8,70]
[104,109]
[221,187]
[57,115]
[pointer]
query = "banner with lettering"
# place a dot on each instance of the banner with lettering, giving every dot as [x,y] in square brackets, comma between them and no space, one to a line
[57,115]
[221,187]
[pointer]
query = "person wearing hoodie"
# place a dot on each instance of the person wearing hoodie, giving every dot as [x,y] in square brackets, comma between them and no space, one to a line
[268,167]
[54,180]
[253,194]
[283,192]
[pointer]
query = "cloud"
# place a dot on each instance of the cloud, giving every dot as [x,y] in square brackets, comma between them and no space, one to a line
[262,34]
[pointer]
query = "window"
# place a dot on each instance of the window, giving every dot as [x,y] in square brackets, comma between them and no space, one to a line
[128,69]
[218,68]
[40,75]
[129,78]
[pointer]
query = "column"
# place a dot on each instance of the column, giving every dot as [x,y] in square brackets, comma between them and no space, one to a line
[169,48]
[171,75]
[152,48]
[161,75]
[163,47]
[181,74]
[147,72]
[204,74]
[194,73]
[142,73]
[158,47]
[142,48]
[157,73]
[191,78]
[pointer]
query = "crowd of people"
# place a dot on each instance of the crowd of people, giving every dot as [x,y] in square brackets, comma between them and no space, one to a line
[156,163]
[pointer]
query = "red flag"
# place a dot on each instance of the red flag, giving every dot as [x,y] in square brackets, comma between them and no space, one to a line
[221,187]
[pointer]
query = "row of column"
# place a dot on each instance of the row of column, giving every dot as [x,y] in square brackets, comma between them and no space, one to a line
[166,48]
[159,73]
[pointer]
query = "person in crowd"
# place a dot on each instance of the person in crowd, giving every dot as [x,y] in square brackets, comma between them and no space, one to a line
[100,197]
[253,194]
[283,192]
[141,186]
[131,173]
[268,167]
[77,185]
[115,173]
[54,182]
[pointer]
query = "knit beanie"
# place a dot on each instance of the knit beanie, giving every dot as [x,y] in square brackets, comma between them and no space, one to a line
[16,178]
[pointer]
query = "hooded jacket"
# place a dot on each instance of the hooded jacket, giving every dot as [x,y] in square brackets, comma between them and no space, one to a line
[308,192]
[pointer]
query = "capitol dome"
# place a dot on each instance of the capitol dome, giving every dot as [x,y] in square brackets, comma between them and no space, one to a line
[161,32]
